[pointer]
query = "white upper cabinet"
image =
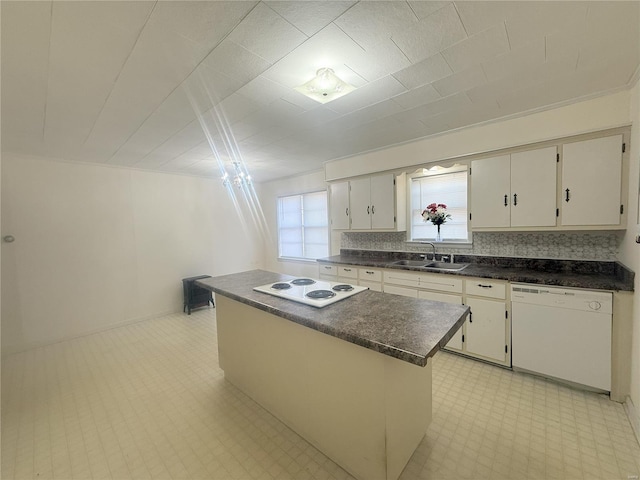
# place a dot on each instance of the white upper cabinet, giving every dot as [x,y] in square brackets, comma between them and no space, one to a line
[377,202]
[592,182]
[517,190]
[339,195]
[490,189]
[533,188]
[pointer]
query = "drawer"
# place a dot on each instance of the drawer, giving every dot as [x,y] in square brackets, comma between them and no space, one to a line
[348,272]
[328,270]
[397,277]
[405,292]
[370,274]
[374,286]
[482,287]
[442,283]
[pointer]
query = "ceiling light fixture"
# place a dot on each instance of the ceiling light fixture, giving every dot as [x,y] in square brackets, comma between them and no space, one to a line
[240,179]
[325,86]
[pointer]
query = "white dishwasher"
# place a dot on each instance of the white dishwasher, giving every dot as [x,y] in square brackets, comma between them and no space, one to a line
[562,333]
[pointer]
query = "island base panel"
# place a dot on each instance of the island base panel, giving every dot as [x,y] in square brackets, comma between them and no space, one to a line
[366,411]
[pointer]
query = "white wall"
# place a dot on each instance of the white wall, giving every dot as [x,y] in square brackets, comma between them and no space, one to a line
[98,246]
[269,193]
[630,250]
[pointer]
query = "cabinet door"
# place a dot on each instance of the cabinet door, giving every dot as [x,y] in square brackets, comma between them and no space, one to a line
[340,205]
[360,201]
[490,189]
[486,329]
[533,188]
[591,181]
[383,201]
[456,341]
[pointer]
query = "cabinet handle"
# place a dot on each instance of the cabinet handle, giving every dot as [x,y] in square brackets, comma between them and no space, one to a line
[566,197]
[470,316]
[327,268]
[346,211]
[373,209]
[368,212]
[515,199]
[347,269]
[506,197]
[368,272]
[485,286]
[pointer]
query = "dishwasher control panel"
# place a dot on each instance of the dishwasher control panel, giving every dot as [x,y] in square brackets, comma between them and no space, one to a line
[575,299]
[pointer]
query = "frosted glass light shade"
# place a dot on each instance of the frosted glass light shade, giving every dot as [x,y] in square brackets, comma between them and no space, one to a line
[325,86]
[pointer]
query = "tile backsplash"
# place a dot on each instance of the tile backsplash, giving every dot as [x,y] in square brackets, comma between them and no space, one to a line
[561,245]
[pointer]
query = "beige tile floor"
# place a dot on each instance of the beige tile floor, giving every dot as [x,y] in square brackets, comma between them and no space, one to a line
[149,401]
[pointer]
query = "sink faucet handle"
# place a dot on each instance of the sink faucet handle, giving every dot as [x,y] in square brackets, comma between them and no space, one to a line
[445,258]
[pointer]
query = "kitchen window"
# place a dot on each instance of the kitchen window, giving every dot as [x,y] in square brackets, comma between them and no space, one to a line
[440,185]
[303,226]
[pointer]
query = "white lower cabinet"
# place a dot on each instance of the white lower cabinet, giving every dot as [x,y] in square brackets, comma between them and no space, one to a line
[370,278]
[487,331]
[328,273]
[404,291]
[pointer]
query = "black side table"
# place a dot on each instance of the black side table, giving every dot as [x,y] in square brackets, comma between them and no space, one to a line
[194,295]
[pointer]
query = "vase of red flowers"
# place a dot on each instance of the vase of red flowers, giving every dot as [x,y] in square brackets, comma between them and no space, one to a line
[437,214]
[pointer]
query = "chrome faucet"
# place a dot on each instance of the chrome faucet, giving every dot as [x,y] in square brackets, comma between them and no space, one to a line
[426,256]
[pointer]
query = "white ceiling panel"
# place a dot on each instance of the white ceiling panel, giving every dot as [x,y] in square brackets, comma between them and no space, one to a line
[368,22]
[76,93]
[477,49]
[309,16]
[461,81]
[423,9]
[373,64]
[236,62]
[148,84]
[431,35]
[527,56]
[417,96]
[26,30]
[527,22]
[206,23]
[426,71]
[267,34]
[263,91]
[369,94]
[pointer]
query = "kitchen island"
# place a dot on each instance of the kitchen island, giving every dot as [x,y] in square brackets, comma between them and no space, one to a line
[352,378]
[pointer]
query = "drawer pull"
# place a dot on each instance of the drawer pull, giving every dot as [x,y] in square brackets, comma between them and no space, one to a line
[485,286]
[327,268]
[347,269]
[370,273]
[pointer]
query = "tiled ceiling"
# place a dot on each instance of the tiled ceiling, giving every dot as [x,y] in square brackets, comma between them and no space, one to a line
[181,86]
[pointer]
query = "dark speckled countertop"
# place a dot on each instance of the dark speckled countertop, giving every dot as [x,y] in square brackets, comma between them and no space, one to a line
[405,328]
[566,273]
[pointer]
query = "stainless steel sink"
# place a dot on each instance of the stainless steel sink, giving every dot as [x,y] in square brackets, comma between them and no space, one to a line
[427,265]
[455,267]
[412,263]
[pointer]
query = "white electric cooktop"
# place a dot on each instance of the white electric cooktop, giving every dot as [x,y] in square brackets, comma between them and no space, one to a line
[317,293]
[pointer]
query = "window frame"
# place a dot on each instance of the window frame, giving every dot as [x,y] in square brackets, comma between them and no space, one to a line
[279,198]
[426,171]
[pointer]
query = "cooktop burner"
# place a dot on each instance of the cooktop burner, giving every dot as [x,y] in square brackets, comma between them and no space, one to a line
[343,288]
[320,294]
[313,292]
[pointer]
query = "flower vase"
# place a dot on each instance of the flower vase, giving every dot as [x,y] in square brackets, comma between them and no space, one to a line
[438,237]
